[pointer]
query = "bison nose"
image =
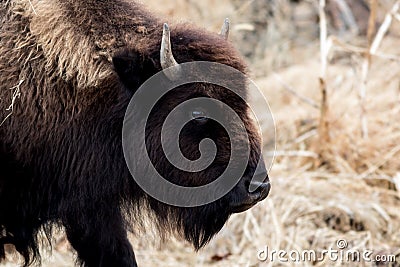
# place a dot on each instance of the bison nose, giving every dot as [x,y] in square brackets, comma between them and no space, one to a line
[249,191]
[259,180]
[259,186]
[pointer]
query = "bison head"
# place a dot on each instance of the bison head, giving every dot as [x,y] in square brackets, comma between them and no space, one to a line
[208,119]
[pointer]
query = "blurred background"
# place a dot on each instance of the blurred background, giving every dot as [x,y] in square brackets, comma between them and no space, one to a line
[335,95]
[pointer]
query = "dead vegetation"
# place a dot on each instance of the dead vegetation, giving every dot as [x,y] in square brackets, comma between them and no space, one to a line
[15,95]
[336,103]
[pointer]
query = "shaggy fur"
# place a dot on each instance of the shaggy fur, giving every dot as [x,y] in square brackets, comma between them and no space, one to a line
[67,73]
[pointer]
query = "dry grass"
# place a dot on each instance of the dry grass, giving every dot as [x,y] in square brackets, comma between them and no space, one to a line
[349,190]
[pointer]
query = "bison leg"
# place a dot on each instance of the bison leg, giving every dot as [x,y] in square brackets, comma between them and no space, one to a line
[100,241]
[2,251]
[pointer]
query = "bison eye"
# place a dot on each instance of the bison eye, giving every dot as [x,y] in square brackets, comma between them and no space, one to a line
[199,116]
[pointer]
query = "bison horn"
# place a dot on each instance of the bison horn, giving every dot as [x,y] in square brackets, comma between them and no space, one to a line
[225,29]
[167,58]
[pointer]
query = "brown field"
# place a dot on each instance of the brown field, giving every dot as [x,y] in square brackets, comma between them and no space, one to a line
[336,173]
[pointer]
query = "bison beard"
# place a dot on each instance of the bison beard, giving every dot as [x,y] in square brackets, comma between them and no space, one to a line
[69,68]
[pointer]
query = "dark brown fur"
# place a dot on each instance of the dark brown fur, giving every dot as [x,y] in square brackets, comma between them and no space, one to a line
[61,159]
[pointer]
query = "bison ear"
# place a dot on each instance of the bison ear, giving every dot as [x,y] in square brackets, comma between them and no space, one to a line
[129,69]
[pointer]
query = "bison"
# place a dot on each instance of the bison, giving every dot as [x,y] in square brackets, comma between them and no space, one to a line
[68,70]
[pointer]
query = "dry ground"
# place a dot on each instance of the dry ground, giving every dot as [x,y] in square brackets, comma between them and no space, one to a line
[325,188]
